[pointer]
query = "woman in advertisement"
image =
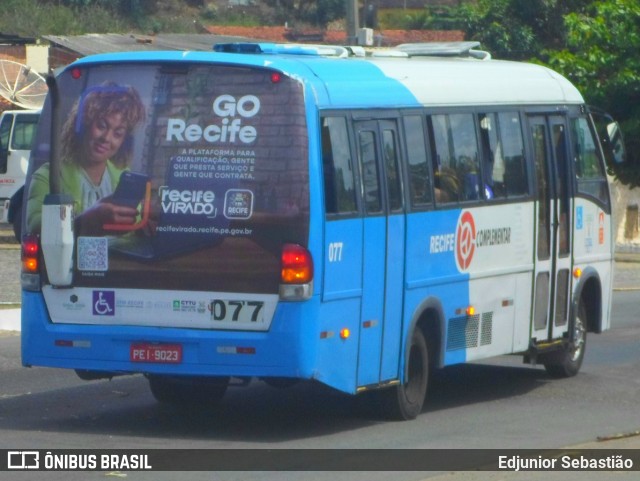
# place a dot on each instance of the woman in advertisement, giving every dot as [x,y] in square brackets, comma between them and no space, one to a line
[97,147]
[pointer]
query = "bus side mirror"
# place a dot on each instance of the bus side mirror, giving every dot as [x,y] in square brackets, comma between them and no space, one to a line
[611,139]
[615,143]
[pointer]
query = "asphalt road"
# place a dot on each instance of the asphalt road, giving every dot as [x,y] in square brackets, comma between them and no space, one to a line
[498,404]
[9,273]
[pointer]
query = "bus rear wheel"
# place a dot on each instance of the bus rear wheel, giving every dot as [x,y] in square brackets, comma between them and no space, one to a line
[405,401]
[567,363]
[188,391]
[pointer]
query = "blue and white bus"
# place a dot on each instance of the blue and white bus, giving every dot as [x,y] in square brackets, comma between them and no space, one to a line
[312,213]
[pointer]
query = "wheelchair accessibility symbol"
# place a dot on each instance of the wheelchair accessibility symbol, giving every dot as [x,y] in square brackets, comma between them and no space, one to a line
[104,303]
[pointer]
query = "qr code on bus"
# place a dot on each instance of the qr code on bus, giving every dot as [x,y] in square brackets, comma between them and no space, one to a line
[93,254]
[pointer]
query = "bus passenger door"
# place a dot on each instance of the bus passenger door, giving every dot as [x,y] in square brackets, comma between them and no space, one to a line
[552,282]
[383,251]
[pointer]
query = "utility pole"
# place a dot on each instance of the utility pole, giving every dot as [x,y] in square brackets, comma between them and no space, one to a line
[352,22]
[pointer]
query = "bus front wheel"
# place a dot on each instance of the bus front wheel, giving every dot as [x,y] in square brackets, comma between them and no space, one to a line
[405,401]
[188,391]
[567,362]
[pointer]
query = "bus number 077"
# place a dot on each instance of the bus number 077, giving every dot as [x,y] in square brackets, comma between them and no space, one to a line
[335,251]
[235,310]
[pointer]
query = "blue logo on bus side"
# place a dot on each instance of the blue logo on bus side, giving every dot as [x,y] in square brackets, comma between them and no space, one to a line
[579,217]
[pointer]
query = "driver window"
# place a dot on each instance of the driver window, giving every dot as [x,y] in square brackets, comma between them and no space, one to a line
[590,174]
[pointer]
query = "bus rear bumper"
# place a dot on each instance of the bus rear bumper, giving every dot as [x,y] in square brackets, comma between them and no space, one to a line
[194,352]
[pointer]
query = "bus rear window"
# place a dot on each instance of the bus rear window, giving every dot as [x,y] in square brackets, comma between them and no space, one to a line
[181,160]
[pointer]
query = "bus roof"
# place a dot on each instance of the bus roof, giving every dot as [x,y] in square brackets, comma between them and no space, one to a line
[388,82]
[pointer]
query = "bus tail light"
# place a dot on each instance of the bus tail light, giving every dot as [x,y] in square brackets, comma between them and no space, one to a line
[297,265]
[296,278]
[30,256]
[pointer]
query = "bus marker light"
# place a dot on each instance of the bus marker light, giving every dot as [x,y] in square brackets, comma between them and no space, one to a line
[345,333]
[469,311]
[276,77]
[367,324]
[577,273]
[76,73]
[326,334]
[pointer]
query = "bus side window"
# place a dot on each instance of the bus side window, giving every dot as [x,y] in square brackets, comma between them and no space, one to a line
[504,170]
[392,167]
[515,169]
[455,146]
[370,174]
[339,182]
[590,174]
[419,178]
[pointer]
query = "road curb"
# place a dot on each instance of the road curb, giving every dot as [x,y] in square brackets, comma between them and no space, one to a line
[10,320]
[626,257]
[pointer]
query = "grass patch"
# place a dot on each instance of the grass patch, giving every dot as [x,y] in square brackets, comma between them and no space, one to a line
[10,305]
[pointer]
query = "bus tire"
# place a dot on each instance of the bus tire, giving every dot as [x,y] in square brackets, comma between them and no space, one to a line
[567,363]
[188,391]
[404,401]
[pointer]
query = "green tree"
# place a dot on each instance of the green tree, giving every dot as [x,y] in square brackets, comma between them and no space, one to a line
[601,59]
[517,29]
[594,43]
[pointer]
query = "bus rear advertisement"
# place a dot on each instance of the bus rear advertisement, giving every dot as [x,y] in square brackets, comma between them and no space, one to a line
[312,213]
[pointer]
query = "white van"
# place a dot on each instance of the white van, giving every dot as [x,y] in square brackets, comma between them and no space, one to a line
[17,128]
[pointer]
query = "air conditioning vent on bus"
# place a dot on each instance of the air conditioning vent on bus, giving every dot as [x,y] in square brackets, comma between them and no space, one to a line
[429,49]
[444,49]
[285,49]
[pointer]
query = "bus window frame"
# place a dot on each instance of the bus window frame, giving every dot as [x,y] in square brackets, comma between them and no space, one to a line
[409,205]
[577,193]
[475,111]
[346,115]
[369,115]
[351,116]
[497,111]
[570,112]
